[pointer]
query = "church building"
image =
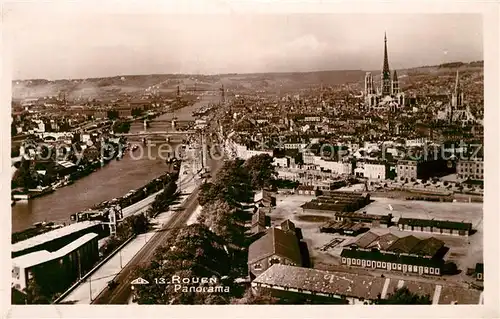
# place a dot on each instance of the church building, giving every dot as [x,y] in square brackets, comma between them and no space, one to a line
[457,111]
[389,96]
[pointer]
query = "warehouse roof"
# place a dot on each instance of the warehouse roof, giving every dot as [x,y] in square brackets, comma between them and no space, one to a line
[443,224]
[404,245]
[427,247]
[363,216]
[43,256]
[319,281]
[384,241]
[365,240]
[359,286]
[51,235]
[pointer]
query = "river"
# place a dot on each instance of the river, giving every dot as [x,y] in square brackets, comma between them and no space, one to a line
[113,180]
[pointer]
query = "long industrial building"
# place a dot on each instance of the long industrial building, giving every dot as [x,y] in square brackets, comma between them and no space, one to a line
[57,269]
[406,254]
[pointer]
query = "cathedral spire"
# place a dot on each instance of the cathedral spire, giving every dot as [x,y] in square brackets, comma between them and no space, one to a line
[386,59]
[457,96]
[457,84]
[386,73]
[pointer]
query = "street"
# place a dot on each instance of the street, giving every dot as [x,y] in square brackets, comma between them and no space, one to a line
[121,293]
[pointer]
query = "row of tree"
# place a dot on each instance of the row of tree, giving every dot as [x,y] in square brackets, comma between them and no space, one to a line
[215,246]
[38,292]
[164,199]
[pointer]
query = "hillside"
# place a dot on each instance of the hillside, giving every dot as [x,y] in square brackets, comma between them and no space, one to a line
[136,85]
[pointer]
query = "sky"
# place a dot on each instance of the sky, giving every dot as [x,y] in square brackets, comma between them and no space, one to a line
[56,45]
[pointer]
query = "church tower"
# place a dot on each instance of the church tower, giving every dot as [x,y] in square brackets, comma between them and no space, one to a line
[395,84]
[368,84]
[386,73]
[370,97]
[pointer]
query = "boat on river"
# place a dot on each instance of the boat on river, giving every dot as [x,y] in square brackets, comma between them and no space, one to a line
[32,193]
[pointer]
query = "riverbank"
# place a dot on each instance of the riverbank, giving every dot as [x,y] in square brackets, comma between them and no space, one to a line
[153,188]
[98,281]
[79,172]
[111,181]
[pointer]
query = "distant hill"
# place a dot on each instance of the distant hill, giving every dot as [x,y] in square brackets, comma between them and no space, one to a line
[279,82]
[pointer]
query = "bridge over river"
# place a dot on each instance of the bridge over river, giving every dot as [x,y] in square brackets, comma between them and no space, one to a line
[112,181]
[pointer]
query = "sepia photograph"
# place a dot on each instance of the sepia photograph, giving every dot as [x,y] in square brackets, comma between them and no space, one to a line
[247,159]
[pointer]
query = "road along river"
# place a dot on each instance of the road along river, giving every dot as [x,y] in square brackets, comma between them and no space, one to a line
[113,180]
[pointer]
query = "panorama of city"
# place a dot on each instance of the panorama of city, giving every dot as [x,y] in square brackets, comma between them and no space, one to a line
[350,186]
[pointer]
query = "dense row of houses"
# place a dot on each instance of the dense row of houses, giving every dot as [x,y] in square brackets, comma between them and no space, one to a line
[381,165]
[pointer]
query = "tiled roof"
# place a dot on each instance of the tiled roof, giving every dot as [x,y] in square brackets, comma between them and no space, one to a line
[359,286]
[320,281]
[404,245]
[365,240]
[384,241]
[278,242]
[427,247]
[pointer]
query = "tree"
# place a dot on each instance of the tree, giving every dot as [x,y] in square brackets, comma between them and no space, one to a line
[207,193]
[110,245]
[121,127]
[404,296]
[138,223]
[164,199]
[261,171]
[231,184]
[34,294]
[225,221]
[170,189]
[195,252]
[25,177]
[112,114]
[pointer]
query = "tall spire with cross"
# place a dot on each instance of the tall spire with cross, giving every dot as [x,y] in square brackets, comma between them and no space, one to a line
[386,73]
[457,84]
[457,97]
